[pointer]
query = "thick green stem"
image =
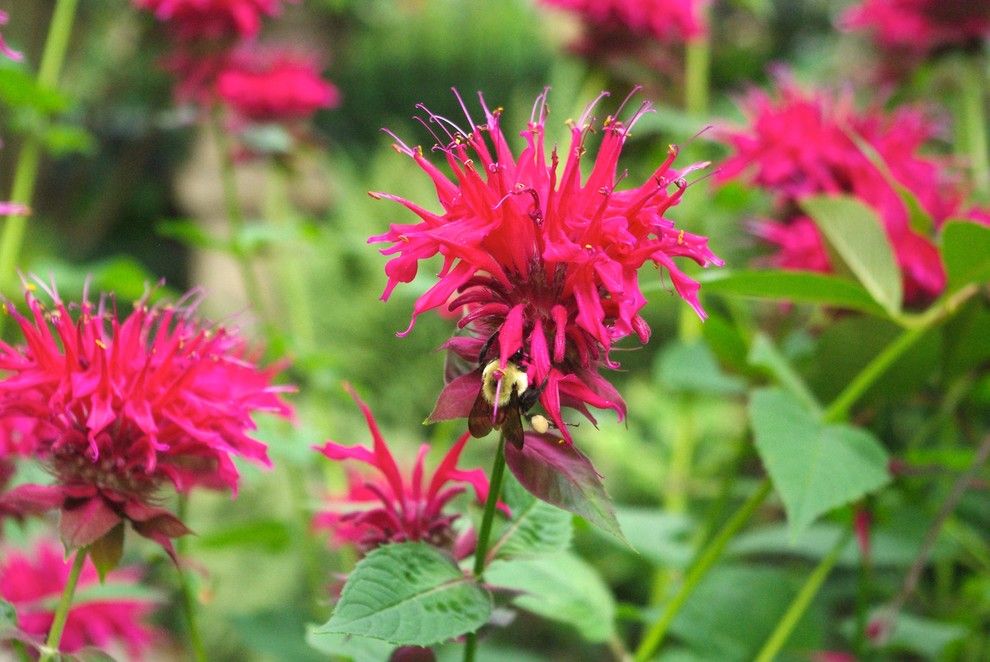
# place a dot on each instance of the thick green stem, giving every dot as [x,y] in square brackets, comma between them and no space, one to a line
[235,218]
[29,158]
[62,610]
[188,597]
[801,602]
[485,532]
[712,552]
[974,119]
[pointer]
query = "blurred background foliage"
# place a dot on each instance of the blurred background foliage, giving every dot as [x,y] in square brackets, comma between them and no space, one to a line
[113,204]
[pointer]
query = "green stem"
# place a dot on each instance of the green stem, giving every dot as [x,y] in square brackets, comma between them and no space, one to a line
[654,636]
[974,119]
[679,475]
[188,597]
[62,610]
[697,66]
[290,267]
[801,602]
[485,532]
[235,217]
[29,158]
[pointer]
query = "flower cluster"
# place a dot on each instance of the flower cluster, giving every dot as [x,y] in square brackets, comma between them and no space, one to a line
[4,48]
[193,20]
[664,20]
[120,407]
[921,26]
[32,582]
[271,87]
[542,266]
[391,508]
[803,143]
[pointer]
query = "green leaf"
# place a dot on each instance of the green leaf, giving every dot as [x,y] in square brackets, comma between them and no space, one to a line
[409,594]
[966,253]
[764,354]
[792,286]
[663,538]
[107,551]
[64,139]
[692,368]
[358,649]
[191,234]
[815,467]
[8,618]
[560,587]
[270,535]
[18,89]
[536,526]
[857,234]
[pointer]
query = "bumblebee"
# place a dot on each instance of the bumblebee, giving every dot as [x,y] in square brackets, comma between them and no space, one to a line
[504,398]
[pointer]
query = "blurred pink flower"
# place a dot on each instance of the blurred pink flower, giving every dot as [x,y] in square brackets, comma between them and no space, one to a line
[6,50]
[538,263]
[801,143]
[274,86]
[665,20]
[389,508]
[921,26]
[212,19]
[13,209]
[33,582]
[122,406]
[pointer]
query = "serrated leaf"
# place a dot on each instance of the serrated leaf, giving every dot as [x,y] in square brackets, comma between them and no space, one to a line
[357,649]
[560,587]
[857,234]
[409,594]
[814,467]
[563,476]
[692,368]
[792,286]
[536,526]
[966,253]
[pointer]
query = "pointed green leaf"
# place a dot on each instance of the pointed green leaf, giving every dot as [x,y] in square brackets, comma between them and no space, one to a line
[560,587]
[966,253]
[536,526]
[692,368]
[357,649]
[857,234]
[764,354]
[408,594]
[107,551]
[792,286]
[814,467]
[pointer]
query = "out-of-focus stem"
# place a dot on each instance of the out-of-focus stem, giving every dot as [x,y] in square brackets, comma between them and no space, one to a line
[697,65]
[485,532]
[801,602]
[974,119]
[29,158]
[185,586]
[235,218]
[62,610]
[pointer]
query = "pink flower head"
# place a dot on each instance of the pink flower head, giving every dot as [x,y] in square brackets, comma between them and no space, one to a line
[33,582]
[538,263]
[191,20]
[13,209]
[122,406]
[801,143]
[390,507]
[664,20]
[4,48]
[920,26]
[274,86]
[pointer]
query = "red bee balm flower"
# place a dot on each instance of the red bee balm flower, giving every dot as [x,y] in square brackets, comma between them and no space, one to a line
[390,509]
[666,20]
[802,143]
[212,19]
[5,49]
[123,406]
[541,266]
[274,86]
[33,583]
[921,25]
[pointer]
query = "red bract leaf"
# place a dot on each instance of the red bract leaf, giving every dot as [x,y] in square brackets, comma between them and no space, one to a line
[86,523]
[560,474]
[32,499]
[456,398]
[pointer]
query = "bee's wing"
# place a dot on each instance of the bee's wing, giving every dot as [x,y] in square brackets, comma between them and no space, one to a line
[480,418]
[512,427]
